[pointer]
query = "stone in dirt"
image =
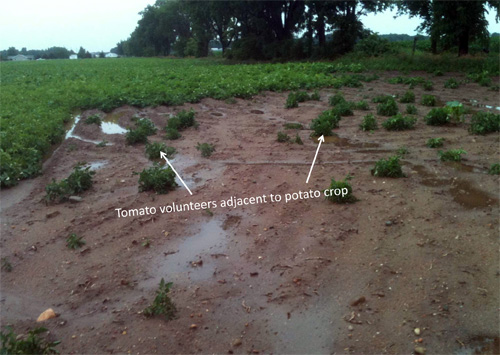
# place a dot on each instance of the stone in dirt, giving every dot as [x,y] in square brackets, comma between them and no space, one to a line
[419,350]
[53,214]
[75,199]
[358,301]
[47,314]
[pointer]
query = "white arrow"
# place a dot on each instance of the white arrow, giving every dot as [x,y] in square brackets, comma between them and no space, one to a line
[164,156]
[321,139]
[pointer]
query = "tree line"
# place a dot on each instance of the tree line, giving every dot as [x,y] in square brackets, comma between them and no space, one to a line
[293,29]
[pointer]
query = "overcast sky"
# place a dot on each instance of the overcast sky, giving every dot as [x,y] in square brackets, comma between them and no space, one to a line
[99,24]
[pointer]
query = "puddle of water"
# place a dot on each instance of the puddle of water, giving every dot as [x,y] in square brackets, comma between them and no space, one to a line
[95,165]
[470,197]
[70,133]
[185,263]
[481,345]
[428,178]
[257,112]
[112,128]
[344,142]
[113,117]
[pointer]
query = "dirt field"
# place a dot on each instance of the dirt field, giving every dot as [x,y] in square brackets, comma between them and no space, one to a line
[307,276]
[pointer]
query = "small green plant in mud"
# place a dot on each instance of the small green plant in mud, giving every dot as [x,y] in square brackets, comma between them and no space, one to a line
[102,143]
[6,265]
[340,191]
[435,142]
[74,241]
[146,243]
[336,99]
[484,122]
[402,151]
[292,101]
[389,108]
[369,123]
[94,119]
[162,304]
[451,155]
[343,109]
[437,117]
[206,149]
[78,181]
[298,140]
[158,179]
[153,150]
[315,96]
[324,123]
[230,101]
[382,99]
[186,119]
[361,105]
[399,123]
[428,85]
[209,212]
[283,137]
[428,100]
[145,124]
[494,169]
[483,78]
[411,110]
[293,126]
[389,167]
[72,147]
[451,83]
[31,343]
[172,134]
[408,97]
[455,111]
[438,73]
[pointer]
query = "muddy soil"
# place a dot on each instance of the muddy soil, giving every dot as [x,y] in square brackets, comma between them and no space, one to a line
[307,276]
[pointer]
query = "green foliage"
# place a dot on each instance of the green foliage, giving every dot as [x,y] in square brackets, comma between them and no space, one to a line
[207,149]
[437,117]
[6,265]
[162,304]
[293,126]
[408,97]
[292,101]
[438,73]
[483,78]
[102,143]
[451,83]
[172,133]
[93,119]
[361,105]
[158,179]
[369,123]
[390,108]
[428,85]
[153,150]
[484,122]
[435,142]
[325,122]
[343,109]
[382,99]
[411,109]
[336,99]
[451,155]
[494,169]
[144,128]
[402,151]
[399,123]
[428,100]
[283,137]
[388,168]
[342,184]
[74,241]
[78,181]
[298,140]
[455,111]
[28,344]
[373,45]
[186,119]
[315,96]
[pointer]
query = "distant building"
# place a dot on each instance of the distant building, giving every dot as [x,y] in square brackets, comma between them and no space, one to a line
[111,55]
[20,57]
[73,56]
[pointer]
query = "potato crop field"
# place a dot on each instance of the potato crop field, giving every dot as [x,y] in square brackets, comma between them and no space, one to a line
[390,247]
